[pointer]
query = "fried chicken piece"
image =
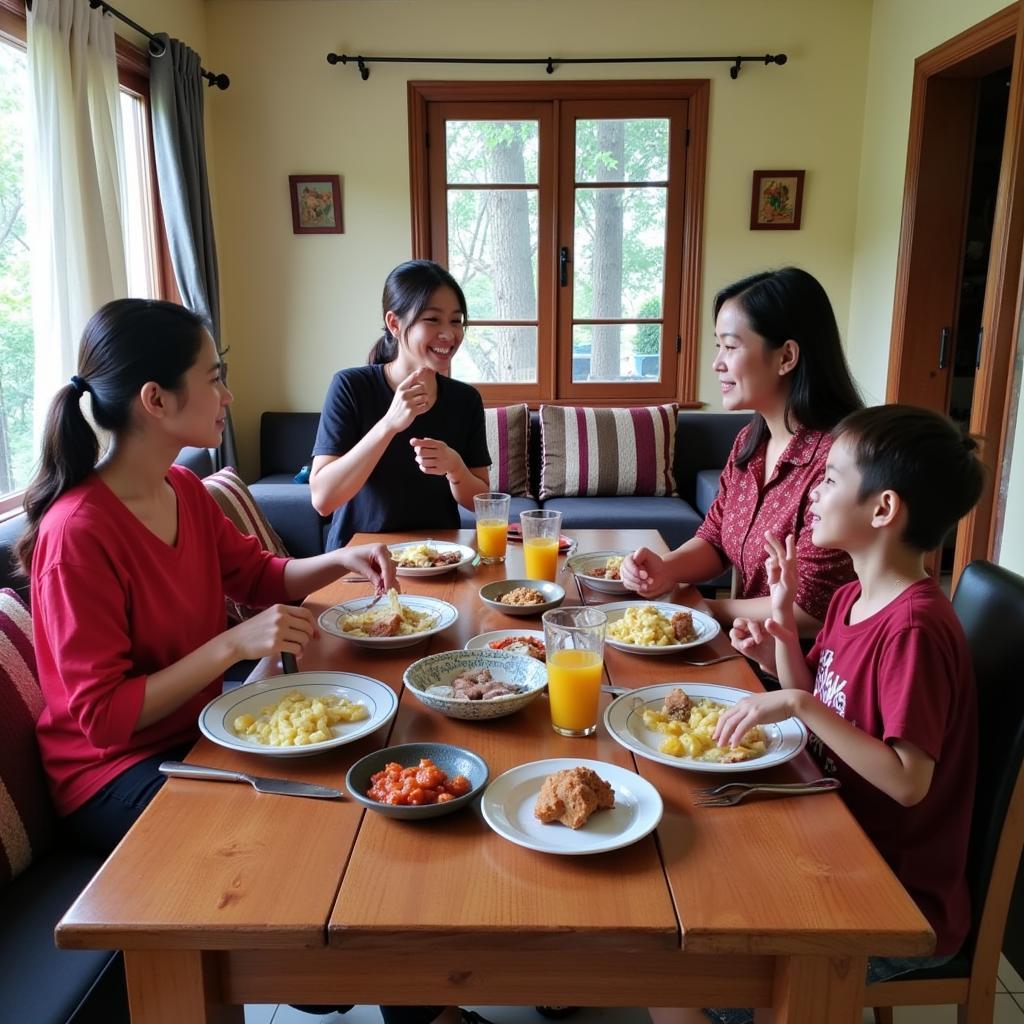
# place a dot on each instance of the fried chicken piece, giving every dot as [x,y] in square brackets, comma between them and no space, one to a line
[447,558]
[678,705]
[571,796]
[682,625]
[387,625]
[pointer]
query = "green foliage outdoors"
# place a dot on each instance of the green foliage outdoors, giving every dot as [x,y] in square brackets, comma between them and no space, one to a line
[17,356]
[618,246]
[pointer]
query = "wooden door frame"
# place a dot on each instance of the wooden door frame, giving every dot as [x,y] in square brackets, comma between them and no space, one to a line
[969,55]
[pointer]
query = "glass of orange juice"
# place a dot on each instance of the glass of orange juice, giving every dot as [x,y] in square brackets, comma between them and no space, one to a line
[491,525]
[541,529]
[574,638]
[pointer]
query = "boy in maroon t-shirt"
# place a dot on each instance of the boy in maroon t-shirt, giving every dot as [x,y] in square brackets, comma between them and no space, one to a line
[888,688]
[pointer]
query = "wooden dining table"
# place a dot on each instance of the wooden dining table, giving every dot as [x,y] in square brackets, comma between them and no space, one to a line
[220,896]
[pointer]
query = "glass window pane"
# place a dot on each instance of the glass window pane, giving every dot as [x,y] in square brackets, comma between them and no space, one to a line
[619,252]
[492,251]
[618,353]
[497,355]
[139,243]
[491,152]
[17,354]
[622,150]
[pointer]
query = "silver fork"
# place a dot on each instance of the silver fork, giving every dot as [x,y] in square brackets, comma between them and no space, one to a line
[733,792]
[714,661]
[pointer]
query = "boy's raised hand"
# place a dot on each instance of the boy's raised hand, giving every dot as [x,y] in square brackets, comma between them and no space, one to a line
[783,577]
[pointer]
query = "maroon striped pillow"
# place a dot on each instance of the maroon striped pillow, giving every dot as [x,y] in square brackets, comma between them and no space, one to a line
[508,439]
[228,489]
[589,451]
[27,817]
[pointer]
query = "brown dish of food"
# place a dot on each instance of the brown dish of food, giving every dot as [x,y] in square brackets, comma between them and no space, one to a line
[571,796]
[521,596]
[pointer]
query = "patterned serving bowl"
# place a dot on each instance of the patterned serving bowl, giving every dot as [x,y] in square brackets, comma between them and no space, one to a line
[526,674]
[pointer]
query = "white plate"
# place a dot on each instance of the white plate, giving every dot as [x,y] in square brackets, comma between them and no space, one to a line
[215,720]
[508,803]
[582,564]
[444,614]
[442,547]
[624,720]
[706,627]
[483,641]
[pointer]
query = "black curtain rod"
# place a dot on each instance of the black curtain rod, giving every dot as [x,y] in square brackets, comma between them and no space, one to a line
[156,46]
[550,63]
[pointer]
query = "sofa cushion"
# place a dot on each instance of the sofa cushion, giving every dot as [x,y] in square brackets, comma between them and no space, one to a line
[27,818]
[508,441]
[672,517]
[708,482]
[600,452]
[228,489]
[288,507]
[40,983]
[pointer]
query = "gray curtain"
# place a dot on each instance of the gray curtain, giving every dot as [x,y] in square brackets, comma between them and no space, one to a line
[179,142]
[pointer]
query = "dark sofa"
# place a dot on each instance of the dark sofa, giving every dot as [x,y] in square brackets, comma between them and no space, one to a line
[703,441]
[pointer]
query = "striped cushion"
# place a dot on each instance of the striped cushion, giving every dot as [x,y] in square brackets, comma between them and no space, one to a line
[229,491]
[605,452]
[27,818]
[508,437]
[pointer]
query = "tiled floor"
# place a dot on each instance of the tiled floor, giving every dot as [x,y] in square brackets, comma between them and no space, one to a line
[1009,1010]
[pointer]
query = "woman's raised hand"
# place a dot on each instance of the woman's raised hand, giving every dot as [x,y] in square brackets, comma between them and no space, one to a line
[279,628]
[646,573]
[413,397]
[434,457]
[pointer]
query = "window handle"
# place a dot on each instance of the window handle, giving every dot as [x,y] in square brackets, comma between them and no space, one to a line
[943,347]
[563,265]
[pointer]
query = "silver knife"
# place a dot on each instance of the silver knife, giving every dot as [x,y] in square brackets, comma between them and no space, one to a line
[281,787]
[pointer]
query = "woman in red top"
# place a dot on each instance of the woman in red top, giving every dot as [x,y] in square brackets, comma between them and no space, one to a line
[130,560]
[778,354]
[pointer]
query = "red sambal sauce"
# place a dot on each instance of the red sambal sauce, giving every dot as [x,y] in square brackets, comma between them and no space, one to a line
[424,783]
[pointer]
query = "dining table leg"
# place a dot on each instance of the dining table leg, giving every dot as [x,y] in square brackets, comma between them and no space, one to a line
[174,986]
[813,989]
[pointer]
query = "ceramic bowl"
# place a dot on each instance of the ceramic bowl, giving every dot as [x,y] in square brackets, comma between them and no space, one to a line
[528,675]
[450,759]
[491,593]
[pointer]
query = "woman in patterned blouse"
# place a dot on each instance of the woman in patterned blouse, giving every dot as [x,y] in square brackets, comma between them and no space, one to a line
[778,354]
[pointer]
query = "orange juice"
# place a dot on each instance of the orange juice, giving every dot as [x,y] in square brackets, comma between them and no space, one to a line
[574,689]
[541,554]
[491,538]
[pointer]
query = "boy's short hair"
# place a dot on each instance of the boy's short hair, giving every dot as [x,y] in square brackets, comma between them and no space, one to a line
[925,458]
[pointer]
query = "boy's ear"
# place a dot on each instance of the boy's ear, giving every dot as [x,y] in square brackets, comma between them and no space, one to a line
[888,505]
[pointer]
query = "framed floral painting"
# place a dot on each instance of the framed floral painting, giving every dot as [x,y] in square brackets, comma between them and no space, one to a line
[316,204]
[777,200]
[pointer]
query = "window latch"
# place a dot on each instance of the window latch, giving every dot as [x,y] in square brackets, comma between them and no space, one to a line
[563,265]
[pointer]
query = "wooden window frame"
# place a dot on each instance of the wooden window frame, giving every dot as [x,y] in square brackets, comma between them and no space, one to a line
[690,151]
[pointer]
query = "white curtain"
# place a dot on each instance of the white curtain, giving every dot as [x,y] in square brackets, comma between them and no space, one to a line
[75,182]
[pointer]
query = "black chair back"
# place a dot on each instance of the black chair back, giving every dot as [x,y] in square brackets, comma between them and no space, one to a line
[989,602]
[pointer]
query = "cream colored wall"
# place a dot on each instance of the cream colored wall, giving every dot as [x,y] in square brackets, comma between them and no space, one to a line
[901,32]
[296,308]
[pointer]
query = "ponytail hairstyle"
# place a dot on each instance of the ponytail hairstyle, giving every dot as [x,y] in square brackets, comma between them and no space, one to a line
[407,292]
[125,344]
[791,304]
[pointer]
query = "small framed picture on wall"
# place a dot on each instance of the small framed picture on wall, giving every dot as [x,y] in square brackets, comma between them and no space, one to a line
[316,204]
[777,200]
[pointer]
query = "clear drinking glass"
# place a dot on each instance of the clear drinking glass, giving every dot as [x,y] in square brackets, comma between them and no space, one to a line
[541,529]
[574,638]
[491,525]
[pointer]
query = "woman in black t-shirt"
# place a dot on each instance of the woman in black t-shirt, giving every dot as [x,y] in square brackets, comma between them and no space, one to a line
[400,444]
